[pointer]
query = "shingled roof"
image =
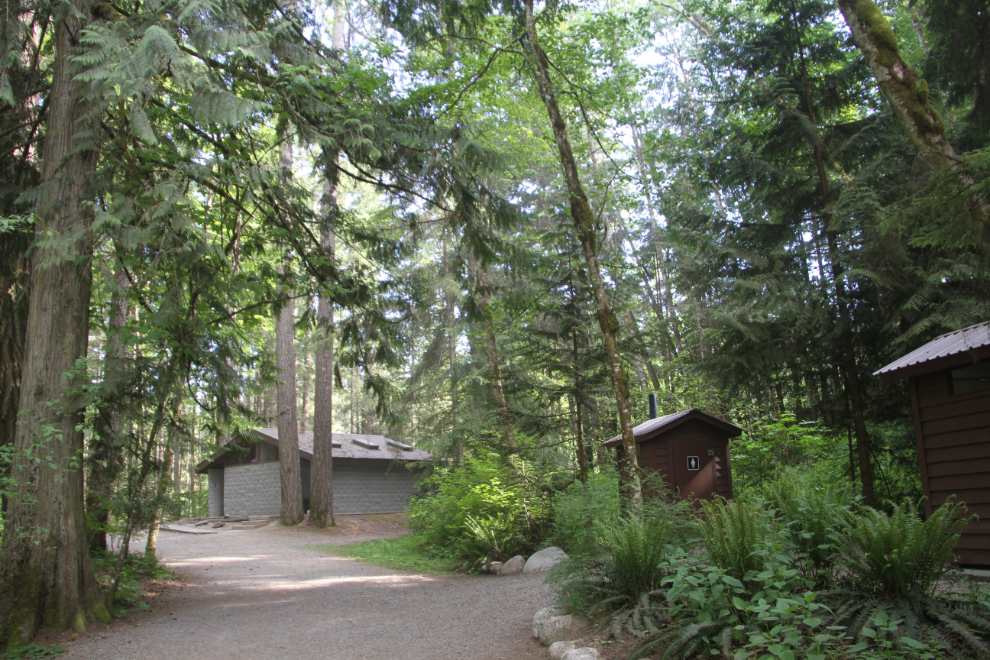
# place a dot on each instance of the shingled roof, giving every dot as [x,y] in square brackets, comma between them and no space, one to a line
[950,350]
[667,422]
[354,445]
[345,445]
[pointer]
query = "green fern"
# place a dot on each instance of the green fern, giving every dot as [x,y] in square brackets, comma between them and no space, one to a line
[892,556]
[811,515]
[737,536]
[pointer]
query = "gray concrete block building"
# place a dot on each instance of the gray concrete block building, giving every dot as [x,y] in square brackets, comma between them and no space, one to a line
[369,475]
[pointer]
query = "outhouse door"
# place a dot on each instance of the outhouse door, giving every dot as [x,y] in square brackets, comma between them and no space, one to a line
[694,468]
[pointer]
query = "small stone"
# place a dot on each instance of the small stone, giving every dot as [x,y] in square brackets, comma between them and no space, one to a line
[202,523]
[494,567]
[558,649]
[544,560]
[513,566]
[584,653]
[550,625]
[216,525]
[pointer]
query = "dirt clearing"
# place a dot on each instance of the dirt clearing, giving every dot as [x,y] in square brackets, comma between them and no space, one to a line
[254,595]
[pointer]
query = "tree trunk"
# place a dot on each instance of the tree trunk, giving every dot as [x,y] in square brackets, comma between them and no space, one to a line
[164,481]
[288,431]
[584,221]
[907,95]
[321,472]
[582,454]
[45,573]
[14,280]
[107,447]
[452,356]
[288,425]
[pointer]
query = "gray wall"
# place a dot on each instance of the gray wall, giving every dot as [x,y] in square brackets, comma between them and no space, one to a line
[214,499]
[359,486]
[252,490]
[371,486]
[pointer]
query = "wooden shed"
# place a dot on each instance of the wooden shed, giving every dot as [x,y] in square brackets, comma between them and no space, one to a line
[690,449]
[949,378]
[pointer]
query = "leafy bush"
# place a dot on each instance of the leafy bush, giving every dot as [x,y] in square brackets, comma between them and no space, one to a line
[811,514]
[492,538]
[578,510]
[490,493]
[738,536]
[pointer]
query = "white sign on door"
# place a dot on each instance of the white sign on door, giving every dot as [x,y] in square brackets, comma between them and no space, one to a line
[694,463]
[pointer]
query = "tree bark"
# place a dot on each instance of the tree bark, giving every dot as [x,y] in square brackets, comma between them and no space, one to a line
[907,95]
[14,280]
[288,425]
[107,447]
[321,471]
[45,572]
[584,221]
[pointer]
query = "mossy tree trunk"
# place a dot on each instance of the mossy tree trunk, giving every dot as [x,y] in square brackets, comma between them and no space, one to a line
[45,572]
[907,94]
[584,221]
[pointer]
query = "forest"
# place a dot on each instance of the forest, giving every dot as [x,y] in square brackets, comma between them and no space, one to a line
[488,230]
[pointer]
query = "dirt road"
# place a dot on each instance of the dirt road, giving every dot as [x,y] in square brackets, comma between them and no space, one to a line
[261,594]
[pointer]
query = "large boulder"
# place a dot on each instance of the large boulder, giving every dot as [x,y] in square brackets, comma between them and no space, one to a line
[584,653]
[513,566]
[544,560]
[551,625]
[558,649]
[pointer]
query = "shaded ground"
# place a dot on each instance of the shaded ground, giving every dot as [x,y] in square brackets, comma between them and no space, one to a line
[260,594]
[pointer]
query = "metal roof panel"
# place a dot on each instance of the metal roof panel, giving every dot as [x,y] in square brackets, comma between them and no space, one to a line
[952,343]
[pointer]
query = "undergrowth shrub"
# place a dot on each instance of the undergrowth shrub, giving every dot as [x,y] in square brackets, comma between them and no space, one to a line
[894,565]
[579,509]
[481,508]
[738,536]
[625,579]
[892,556]
[811,514]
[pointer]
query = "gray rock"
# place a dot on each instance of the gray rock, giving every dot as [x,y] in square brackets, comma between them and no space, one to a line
[216,525]
[558,649]
[544,560]
[550,625]
[584,653]
[491,568]
[513,566]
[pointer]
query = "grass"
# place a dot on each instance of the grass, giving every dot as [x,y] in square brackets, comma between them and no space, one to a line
[405,553]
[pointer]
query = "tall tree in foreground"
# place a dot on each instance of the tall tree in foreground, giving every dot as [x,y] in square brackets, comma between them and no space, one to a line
[288,426]
[321,471]
[584,221]
[45,572]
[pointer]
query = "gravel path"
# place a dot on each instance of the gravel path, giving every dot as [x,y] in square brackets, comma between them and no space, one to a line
[258,595]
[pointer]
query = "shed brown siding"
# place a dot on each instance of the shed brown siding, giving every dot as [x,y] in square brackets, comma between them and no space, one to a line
[655,453]
[953,432]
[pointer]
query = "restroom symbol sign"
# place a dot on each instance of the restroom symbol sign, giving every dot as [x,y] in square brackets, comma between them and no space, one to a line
[694,463]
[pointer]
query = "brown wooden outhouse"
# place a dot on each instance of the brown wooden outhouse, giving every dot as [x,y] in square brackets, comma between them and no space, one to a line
[690,449]
[949,379]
